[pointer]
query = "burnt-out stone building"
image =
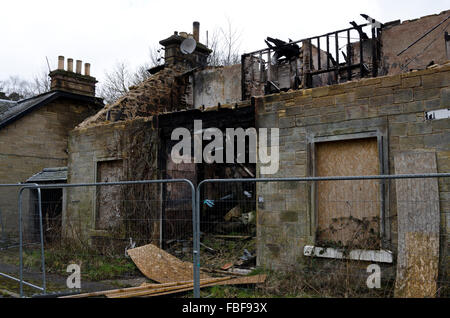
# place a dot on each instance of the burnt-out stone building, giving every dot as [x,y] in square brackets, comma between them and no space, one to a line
[131,140]
[366,108]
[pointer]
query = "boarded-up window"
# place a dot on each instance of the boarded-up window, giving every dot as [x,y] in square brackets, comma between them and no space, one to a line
[348,211]
[108,197]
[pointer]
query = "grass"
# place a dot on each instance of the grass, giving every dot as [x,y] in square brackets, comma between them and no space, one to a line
[13,286]
[94,266]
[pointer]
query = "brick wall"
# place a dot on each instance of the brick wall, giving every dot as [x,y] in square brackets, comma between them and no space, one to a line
[392,105]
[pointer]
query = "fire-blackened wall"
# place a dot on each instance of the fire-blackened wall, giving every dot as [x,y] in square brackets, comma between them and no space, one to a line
[214,85]
[397,37]
[177,214]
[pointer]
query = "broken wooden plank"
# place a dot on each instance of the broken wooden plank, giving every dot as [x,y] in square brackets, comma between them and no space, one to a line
[161,266]
[113,291]
[256,279]
[144,286]
[151,291]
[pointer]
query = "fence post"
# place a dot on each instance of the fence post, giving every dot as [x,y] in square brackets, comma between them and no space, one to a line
[196,237]
[21,237]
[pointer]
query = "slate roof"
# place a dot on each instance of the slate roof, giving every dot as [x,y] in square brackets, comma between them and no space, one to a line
[58,174]
[11,111]
[5,105]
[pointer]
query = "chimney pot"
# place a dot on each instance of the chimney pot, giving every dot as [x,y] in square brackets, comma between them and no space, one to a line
[60,62]
[87,69]
[196,31]
[70,65]
[78,67]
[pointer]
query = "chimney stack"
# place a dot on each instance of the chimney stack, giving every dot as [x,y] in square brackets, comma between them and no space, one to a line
[196,31]
[69,65]
[78,69]
[67,80]
[87,69]
[60,62]
[173,54]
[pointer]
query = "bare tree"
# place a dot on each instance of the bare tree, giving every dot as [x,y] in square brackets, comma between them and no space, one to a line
[121,77]
[215,58]
[225,46]
[225,43]
[116,83]
[231,38]
[16,88]
[41,82]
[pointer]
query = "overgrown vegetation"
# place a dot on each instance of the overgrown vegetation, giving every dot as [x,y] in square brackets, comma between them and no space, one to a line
[94,266]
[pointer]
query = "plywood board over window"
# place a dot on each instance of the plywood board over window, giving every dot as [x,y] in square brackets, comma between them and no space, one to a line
[348,211]
[109,207]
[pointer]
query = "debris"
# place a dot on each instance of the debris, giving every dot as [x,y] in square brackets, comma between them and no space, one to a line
[247,255]
[251,174]
[144,286]
[257,279]
[227,266]
[218,271]
[161,266]
[240,271]
[150,290]
[246,259]
[209,249]
[248,218]
[233,213]
[132,245]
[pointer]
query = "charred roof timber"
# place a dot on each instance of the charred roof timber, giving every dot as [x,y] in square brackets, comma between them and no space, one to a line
[314,61]
[282,48]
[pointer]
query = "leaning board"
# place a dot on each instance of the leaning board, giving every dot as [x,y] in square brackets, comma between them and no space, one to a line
[160,266]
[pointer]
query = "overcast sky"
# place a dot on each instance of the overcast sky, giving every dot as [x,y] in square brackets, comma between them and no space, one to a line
[103,32]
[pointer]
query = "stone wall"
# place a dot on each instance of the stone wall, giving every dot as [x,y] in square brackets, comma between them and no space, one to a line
[134,144]
[393,106]
[33,142]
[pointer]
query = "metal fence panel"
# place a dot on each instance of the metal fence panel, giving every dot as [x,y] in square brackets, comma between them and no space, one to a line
[94,225]
[315,236]
[12,240]
[323,233]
